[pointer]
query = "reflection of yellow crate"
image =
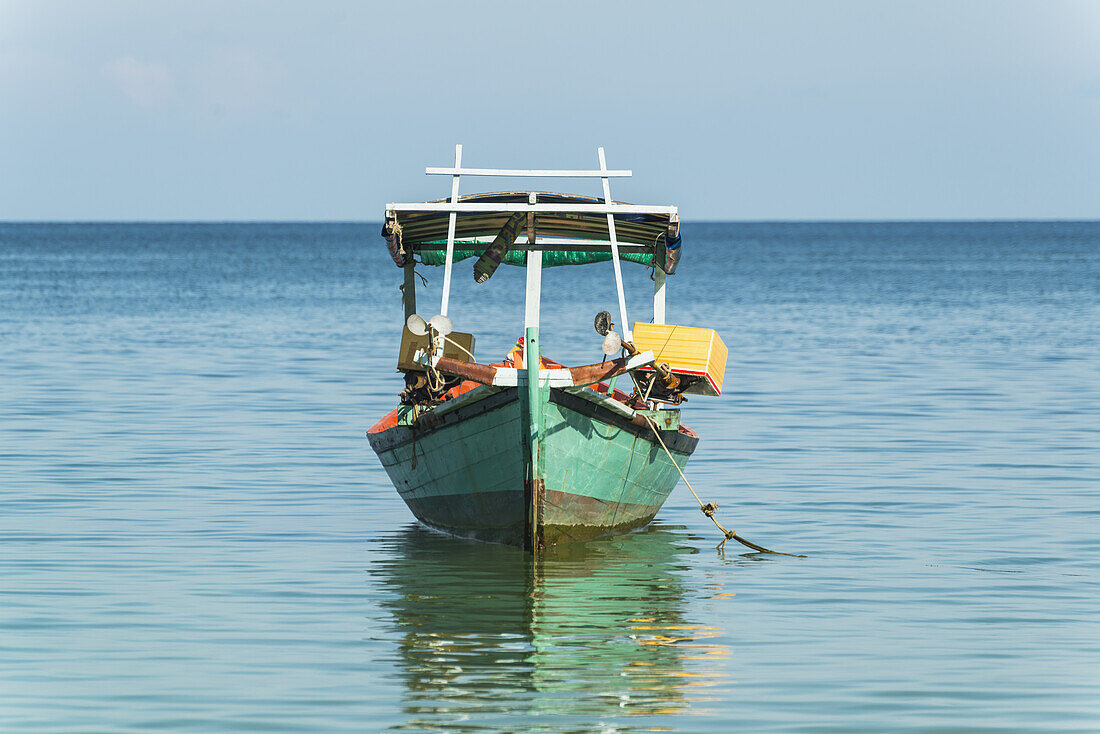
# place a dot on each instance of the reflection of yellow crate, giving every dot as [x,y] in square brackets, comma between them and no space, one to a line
[689,352]
[411,342]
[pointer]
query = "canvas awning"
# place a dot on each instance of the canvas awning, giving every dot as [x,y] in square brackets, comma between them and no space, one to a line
[566,233]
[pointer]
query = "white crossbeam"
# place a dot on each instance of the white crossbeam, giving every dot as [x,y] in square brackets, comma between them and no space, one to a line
[522,242]
[471,206]
[512,377]
[525,172]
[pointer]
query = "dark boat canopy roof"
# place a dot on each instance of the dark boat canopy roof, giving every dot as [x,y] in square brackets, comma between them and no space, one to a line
[568,229]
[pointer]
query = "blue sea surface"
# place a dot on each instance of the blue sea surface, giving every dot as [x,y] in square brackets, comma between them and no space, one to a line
[196,537]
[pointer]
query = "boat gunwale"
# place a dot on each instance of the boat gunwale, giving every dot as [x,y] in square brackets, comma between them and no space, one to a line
[388,439]
[682,441]
[381,439]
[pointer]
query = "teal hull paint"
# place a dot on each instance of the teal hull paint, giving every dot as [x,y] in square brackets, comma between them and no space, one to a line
[466,472]
[465,478]
[604,462]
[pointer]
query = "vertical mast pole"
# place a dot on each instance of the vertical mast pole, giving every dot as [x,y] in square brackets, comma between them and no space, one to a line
[451,235]
[531,352]
[627,335]
[408,289]
[658,295]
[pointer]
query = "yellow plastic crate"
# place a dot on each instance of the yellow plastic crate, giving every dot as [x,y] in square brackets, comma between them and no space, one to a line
[689,351]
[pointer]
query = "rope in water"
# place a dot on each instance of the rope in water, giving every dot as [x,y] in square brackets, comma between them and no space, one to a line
[710,508]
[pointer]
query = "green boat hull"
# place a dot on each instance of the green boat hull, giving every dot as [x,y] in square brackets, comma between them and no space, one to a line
[467,469]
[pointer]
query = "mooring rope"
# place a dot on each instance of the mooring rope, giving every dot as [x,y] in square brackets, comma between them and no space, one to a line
[710,507]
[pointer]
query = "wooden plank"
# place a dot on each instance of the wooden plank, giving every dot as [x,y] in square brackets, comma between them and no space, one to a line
[533,494]
[408,289]
[540,247]
[477,206]
[534,291]
[524,172]
[658,296]
[558,377]
[435,240]
[419,227]
[451,236]
[624,324]
[575,246]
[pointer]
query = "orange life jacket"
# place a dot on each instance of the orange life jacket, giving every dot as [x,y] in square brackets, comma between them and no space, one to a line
[516,355]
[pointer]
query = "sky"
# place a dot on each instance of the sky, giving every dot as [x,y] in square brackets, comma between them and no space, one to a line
[730,110]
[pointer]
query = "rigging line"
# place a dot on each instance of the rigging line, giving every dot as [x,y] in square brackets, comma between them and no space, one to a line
[423,282]
[453,343]
[710,508]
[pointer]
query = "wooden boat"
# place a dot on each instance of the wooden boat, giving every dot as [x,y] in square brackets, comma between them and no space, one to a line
[527,451]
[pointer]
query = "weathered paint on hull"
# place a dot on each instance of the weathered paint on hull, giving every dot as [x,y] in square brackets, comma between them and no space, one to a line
[464,474]
[465,470]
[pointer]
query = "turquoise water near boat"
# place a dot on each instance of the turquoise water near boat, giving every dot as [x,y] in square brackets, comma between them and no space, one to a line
[195,535]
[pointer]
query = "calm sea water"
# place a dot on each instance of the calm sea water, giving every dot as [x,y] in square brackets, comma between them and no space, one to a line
[196,537]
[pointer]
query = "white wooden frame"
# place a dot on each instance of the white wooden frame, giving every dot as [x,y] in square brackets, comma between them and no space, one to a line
[559,377]
[658,296]
[523,243]
[533,304]
[478,206]
[524,173]
[451,236]
[534,270]
[624,324]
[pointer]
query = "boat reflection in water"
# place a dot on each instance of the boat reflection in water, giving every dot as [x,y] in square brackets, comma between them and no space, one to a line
[591,630]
